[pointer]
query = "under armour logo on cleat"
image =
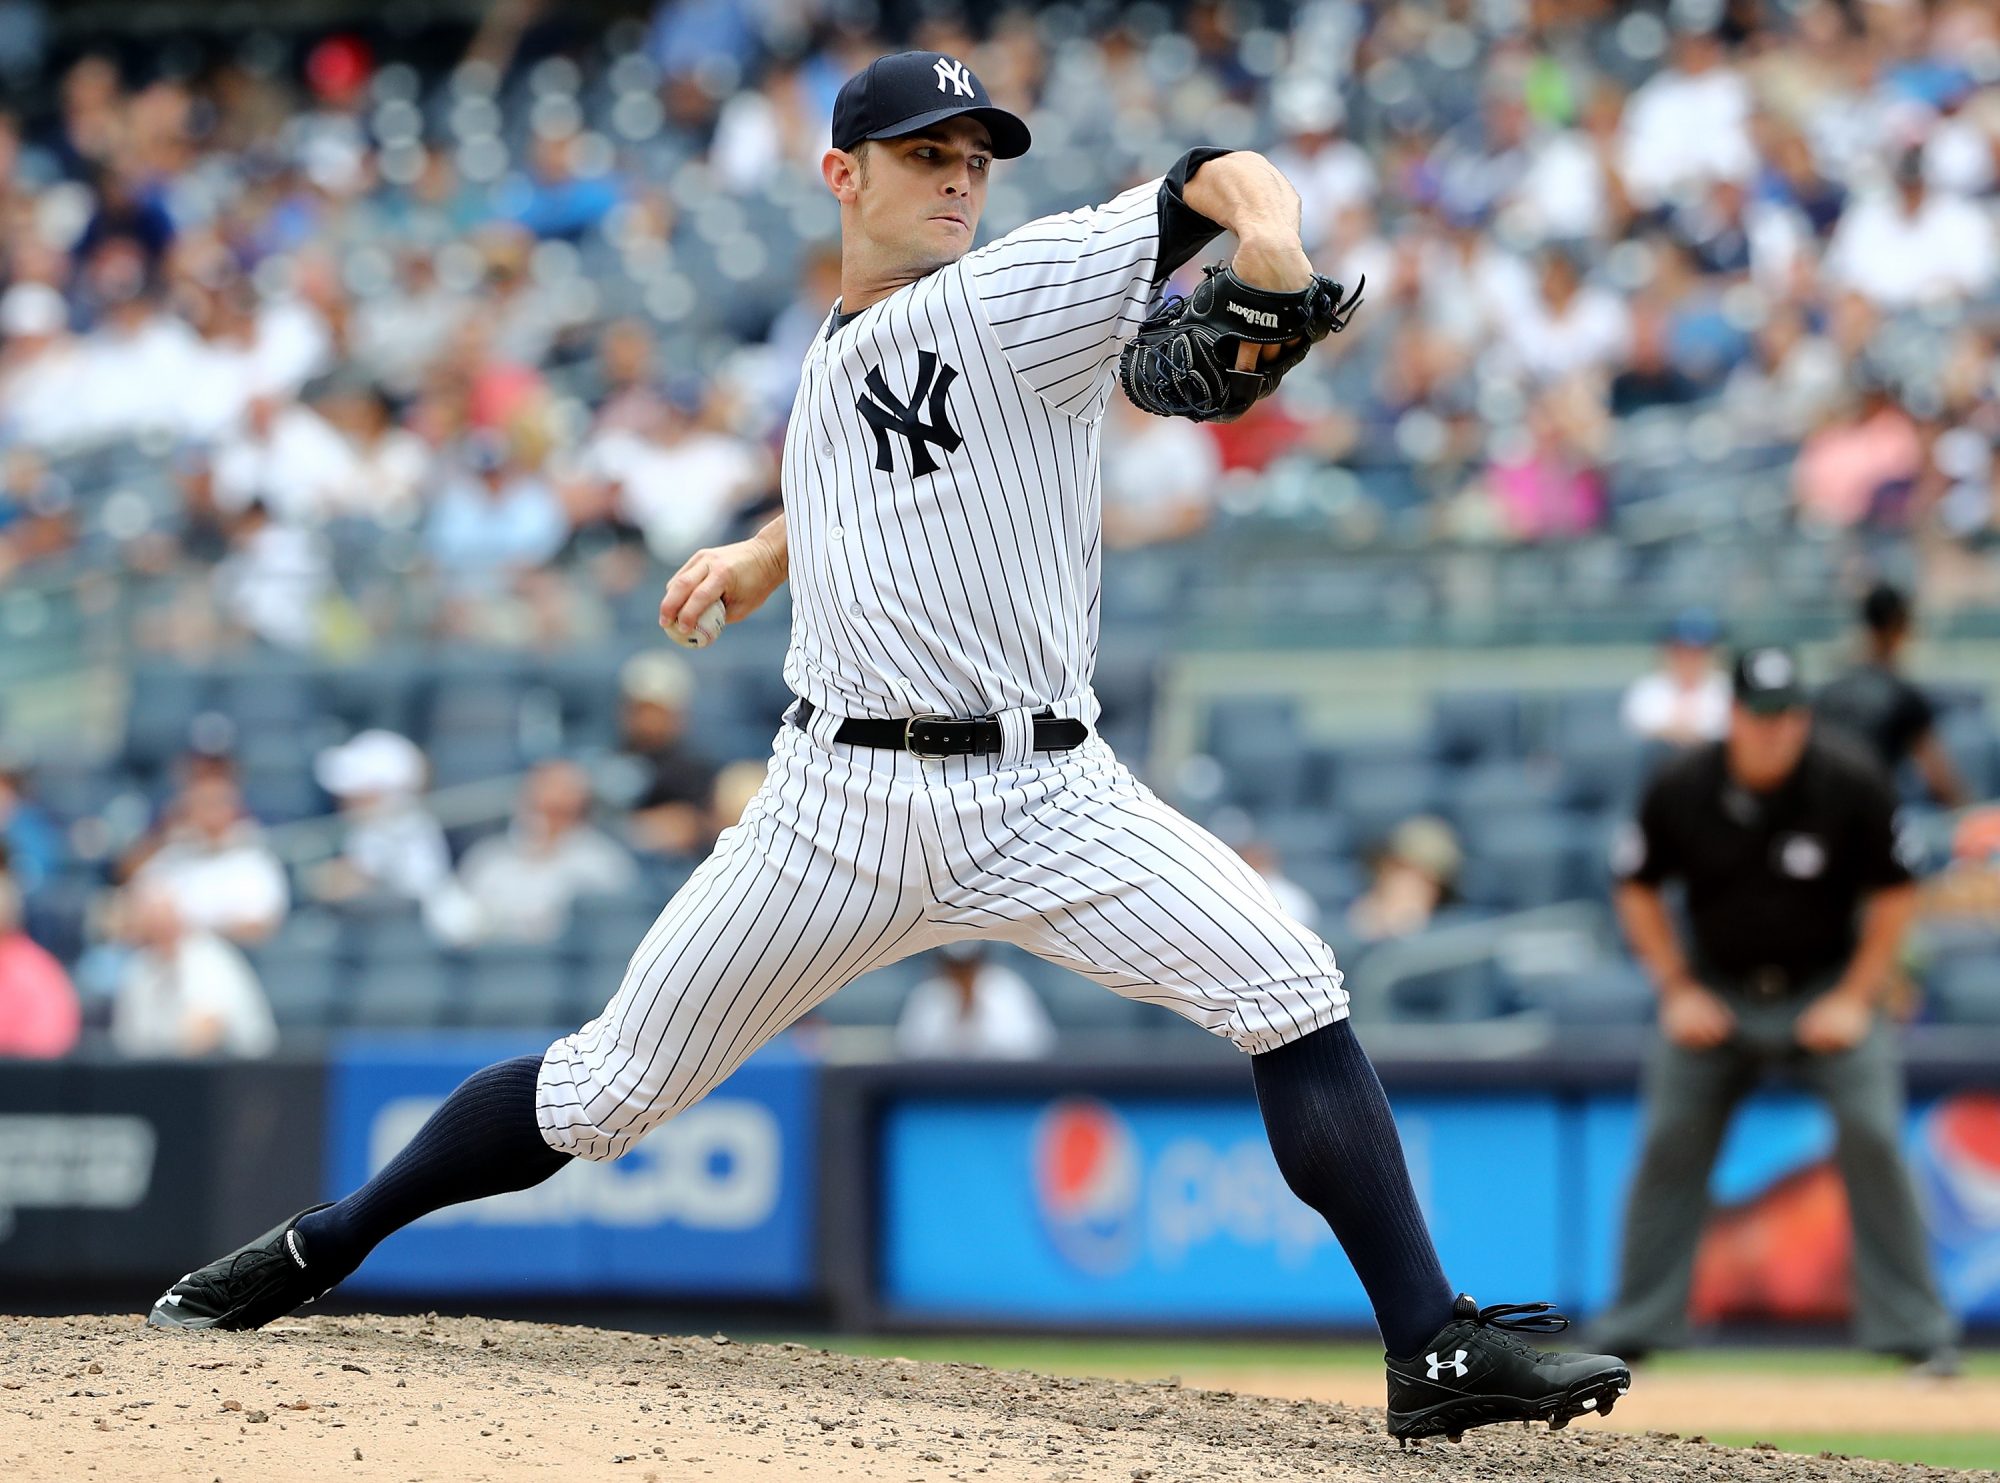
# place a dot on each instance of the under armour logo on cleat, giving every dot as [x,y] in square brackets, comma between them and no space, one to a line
[172,1298]
[1456,1364]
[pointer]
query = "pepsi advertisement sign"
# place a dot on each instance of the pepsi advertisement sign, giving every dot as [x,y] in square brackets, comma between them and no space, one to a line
[717,1202]
[1171,1209]
[1955,1160]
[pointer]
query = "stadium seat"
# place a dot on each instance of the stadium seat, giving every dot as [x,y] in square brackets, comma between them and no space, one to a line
[1475,796]
[281,795]
[303,988]
[268,698]
[615,922]
[1964,989]
[512,986]
[1613,992]
[403,994]
[1601,774]
[1472,726]
[1968,738]
[1460,993]
[1372,794]
[380,693]
[385,933]
[474,756]
[875,998]
[1524,859]
[163,703]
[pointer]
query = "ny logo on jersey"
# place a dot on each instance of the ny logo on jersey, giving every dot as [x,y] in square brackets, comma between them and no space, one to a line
[887,414]
[1456,1364]
[953,75]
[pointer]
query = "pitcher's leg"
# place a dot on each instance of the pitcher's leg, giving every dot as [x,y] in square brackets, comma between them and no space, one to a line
[816,886]
[1131,893]
[812,888]
[1336,1143]
[1084,866]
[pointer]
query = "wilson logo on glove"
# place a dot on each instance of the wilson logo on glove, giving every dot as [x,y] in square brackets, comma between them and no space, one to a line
[1182,363]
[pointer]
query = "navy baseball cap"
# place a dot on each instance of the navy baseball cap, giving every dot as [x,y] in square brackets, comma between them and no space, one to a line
[908,92]
[1767,680]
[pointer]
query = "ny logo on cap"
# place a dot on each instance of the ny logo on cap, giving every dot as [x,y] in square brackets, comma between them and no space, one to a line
[953,75]
[886,413]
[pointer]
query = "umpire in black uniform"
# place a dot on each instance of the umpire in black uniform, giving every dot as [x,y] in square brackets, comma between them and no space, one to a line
[1796,903]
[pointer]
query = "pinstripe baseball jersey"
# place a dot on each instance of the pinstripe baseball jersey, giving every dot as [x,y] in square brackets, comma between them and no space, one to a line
[942,511]
[941,467]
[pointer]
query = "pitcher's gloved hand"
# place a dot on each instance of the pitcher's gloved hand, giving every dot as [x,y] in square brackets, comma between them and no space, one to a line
[1183,361]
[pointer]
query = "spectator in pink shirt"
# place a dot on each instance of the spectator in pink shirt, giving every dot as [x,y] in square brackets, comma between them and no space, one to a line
[39,1016]
[1861,467]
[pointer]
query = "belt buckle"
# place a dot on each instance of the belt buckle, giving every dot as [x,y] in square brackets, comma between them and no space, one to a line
[909,745]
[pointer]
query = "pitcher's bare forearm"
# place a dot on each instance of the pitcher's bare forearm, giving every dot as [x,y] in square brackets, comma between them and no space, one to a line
[1248,195]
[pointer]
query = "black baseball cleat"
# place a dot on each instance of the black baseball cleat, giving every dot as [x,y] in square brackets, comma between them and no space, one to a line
[246,1289]
[1480,1370]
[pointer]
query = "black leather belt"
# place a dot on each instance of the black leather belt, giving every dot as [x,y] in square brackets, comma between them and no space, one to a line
[935,737]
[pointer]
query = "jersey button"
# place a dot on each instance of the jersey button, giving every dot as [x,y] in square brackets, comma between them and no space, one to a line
[838,534]
[854,608]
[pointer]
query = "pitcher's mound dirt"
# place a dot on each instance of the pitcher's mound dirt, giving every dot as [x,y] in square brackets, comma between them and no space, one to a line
[456,1400]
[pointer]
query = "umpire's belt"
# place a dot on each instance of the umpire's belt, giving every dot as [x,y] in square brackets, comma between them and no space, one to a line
[934,737]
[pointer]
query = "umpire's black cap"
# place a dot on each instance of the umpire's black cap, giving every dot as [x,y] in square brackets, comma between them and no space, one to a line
[912,90]
[1767,680]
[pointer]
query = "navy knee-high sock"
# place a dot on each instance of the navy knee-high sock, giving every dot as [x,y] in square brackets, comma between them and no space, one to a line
[482,1140]
[1336,1144]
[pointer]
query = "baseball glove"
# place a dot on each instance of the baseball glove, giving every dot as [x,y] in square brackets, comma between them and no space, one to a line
[1182,363]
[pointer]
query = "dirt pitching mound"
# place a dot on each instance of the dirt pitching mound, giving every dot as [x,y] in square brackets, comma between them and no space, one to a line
[467,1399]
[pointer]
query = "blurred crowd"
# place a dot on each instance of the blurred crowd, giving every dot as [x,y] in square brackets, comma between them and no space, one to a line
[534,305]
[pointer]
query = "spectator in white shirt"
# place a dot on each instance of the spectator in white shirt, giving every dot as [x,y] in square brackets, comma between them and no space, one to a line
[387,467]
[1688,125]
[680,475]
[1330,173]
[185,992]
[1685,700]
[973,1010]
[1912,245]
[519,886]
[1569,328]
[394,849]
[137,359]
[1159,475]
[275,580]
[41,368]
[214,866]
[286,456]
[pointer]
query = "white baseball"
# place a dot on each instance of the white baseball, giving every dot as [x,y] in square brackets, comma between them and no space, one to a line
[705,629]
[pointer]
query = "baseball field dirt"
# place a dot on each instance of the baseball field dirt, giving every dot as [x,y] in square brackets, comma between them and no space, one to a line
[457,1400]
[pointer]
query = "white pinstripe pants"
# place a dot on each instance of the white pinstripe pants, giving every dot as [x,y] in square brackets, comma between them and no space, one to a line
[849,858]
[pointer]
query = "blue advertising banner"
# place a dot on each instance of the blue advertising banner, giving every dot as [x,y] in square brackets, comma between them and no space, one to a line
[717,1202]
[1151,1209]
